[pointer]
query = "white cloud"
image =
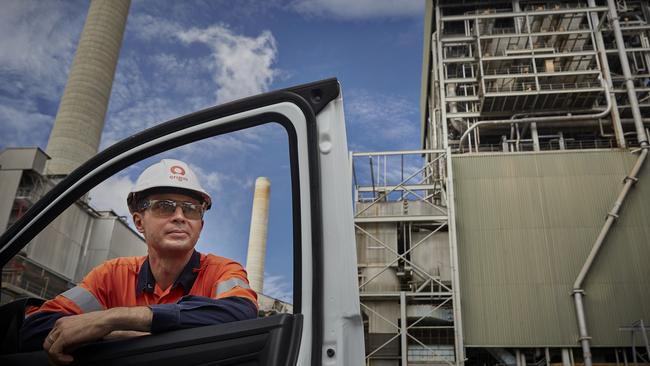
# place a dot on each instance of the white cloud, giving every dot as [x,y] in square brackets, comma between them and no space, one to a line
[242,66]
[21,124]
[212,181]
[278,287]
[111,194]
[197,67]
[388,119]
[360,9]
[38,42]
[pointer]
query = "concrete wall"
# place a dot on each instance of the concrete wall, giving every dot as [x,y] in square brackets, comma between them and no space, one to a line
[9,181]
[59,245]
[109,238]
[77,241]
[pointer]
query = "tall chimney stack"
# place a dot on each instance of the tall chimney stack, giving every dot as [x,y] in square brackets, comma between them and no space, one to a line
[79,121]
[258,234]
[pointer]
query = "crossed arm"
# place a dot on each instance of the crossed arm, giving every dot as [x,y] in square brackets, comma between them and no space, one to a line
[61,334]
[70,332]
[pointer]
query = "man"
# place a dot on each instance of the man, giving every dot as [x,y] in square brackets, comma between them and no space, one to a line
[173,287]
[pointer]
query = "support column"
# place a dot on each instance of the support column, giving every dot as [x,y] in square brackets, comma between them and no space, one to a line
[535,135]
[402,308]
[645,337]
[566,360]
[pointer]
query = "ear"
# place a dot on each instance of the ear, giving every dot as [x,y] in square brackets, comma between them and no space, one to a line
[137,221]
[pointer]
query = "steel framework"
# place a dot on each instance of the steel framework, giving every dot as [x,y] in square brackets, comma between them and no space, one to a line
[535,75]
[407,257]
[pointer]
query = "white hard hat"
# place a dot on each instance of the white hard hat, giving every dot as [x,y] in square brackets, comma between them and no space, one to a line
[167,174]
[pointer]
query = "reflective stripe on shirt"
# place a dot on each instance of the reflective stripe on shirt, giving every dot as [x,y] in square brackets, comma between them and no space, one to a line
[86,301]
[229,284]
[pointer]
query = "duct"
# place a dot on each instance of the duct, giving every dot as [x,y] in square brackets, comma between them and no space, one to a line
[457,123]
[631,179]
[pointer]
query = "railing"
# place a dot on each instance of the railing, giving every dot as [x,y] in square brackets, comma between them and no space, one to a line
[528,69]
[531,87]
[34,279]
[549,145]
[28,194]
[435,353]
[396,176]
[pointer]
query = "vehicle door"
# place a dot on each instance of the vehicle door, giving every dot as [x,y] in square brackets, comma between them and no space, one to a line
[325,326]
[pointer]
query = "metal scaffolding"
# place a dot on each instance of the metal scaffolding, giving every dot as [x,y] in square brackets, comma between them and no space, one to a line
[525,75]
[408,281]
[534,75]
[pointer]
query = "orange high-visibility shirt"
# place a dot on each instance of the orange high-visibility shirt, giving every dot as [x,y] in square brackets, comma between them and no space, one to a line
[192,300]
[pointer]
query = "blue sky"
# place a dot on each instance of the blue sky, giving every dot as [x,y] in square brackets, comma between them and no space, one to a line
[182,56]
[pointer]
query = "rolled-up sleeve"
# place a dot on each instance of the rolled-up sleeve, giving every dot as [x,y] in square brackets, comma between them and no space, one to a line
[195,311]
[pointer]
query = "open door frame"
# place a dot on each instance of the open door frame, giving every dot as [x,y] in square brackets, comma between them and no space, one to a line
[296,110]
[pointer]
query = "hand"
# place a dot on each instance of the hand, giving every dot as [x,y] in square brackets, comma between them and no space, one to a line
[70,332]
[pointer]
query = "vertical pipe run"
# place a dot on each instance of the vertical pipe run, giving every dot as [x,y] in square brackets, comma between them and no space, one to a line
[547,356]
[606,74]
[627,73]
[582,326]
[535,135]
[629,181]
[258,233]
[453,253]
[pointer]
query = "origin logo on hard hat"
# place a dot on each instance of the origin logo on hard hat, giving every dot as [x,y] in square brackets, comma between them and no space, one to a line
[177,170]
[177,173]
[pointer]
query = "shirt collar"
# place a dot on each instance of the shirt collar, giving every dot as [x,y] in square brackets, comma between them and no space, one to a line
[147,282]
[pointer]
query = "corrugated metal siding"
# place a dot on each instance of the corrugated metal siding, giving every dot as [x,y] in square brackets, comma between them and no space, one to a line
[526,223]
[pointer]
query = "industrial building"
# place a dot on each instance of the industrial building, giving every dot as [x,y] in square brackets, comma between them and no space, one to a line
[67,249]
[520,233]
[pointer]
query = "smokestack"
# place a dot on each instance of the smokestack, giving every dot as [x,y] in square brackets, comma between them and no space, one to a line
[80,119]
[257,236]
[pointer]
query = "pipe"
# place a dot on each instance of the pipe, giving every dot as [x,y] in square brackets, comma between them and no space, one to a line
[627,73]
[544,119]
[566,360]
[604,66]
[578,292]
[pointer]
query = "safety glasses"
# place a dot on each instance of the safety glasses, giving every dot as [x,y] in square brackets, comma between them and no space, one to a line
[167,208]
